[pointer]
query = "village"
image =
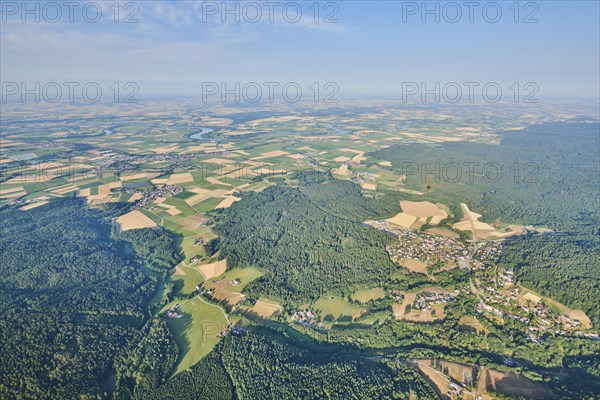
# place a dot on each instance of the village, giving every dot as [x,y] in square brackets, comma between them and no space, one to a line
[500,297]
[149,196]
[426,248]
[426,300]
[307,317]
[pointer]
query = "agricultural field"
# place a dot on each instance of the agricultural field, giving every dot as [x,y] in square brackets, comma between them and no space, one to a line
[304,224]
[509,383]
[338,310]
[366,295]
[196,330]
[266,308]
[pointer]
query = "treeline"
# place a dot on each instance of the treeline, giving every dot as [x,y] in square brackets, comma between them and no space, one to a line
[256,363]
[71,300]
[155,249]
[149,362]
[308,240]
[263,366]
[207,379]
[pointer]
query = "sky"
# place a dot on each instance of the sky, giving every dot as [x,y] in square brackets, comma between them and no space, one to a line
[366,48]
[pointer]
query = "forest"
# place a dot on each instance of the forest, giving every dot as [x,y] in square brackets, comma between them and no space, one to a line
[308,239]
[73,297]
[256,363]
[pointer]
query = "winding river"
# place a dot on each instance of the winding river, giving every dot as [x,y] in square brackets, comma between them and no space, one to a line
[198,135]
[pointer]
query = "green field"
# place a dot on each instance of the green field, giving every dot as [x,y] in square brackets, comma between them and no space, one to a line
[335,309]
[196,332]
[244,275]
[364,296]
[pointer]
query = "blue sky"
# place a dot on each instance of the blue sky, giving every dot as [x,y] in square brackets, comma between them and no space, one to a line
[370,51]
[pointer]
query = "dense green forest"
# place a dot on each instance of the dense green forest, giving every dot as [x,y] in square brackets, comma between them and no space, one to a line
[260,364]
[549,178]
[308,239]
[72,298]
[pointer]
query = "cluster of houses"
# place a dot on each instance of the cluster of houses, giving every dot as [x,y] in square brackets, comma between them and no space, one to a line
[538,318]
[426,248]
[150,196]
[173,158]
[172,312]
[425,300]
[307,317]
[486,254]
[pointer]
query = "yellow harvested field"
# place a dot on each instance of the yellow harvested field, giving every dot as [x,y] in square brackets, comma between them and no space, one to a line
[357,159]
[180,178]
[103,190]
[132,177]
[216,121]
[437,219]
[214,269]
[266,309]
[512,384]
[415,265]
[192,201]
[368,186]
[436,378]
[227,202]
[581,317]
[165,149]
[13,195]
[219,161]
[11,190]
[402,219]
[295,156]
[426,315]
[385,164]
[422,209]
[199,190]
[225,296]
[462,373]
[135,197]
[33,205]
[532,297]
[215,181]
[284,118]
[415,315]
[480,230]
[347,150]
[443,232]
[135,220]
[400,309]
[343,170]
[64,190]
[84,192]
[471,324]
[275,153]
[174,211]
[341,159]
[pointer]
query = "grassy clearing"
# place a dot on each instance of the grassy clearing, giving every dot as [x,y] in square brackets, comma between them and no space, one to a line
[335,309]
[364,296]
[227,287]
[186,279]
[196,331]
[266,308]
